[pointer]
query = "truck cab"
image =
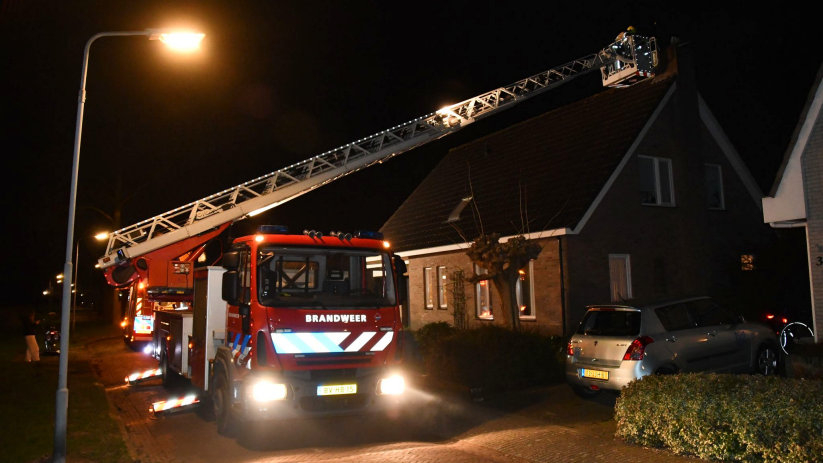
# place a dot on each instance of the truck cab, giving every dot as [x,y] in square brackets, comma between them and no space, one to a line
[312,327]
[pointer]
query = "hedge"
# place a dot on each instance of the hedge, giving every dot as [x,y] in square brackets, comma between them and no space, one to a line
[725,417]
[490,358]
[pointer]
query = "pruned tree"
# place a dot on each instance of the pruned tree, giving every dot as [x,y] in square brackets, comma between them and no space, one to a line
[502,262]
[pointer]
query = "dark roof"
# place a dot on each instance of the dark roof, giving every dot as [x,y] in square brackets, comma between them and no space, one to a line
[553,165]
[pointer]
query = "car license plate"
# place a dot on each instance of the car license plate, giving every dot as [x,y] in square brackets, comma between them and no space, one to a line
[337,389]
[594,374]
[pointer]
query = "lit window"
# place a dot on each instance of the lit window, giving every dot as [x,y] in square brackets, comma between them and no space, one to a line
[656,184]
[524,290]
[714,186]
[620,277]
[428,287]
[747,262]
[482,298]
[441,288]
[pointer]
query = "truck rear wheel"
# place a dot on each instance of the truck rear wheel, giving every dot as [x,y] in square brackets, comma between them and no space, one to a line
[221,403]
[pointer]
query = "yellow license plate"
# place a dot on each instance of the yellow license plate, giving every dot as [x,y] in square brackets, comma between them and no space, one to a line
[594,374]
[337,389]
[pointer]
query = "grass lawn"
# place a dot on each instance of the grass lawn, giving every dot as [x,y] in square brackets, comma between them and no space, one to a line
[29,392]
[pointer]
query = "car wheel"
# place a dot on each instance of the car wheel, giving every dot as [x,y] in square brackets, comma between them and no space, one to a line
[766,361]
[221,403]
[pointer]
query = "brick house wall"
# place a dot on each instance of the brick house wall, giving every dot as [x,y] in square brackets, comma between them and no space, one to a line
[545,284]
[679,250]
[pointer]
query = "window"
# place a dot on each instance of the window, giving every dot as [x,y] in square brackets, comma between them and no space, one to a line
[441,288]
[708,313]
[483,296]
[620,277]
[245,276]
[656,184]
[675,317]
[524,291]
[747,262]
[714,186]
[428,287]
[325,278]
[610,322]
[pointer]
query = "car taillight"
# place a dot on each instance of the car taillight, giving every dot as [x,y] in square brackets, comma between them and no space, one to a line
[570,348]
[637,348]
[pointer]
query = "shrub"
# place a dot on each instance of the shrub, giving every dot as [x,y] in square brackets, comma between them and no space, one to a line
[725,417]
[490,357]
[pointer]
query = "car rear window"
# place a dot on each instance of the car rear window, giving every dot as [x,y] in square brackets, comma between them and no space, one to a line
[610,322]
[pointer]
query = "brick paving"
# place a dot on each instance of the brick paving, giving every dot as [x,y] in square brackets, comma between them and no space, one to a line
[542,425]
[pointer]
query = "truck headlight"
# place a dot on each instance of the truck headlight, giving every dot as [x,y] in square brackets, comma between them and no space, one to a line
[267,391]
[392,385]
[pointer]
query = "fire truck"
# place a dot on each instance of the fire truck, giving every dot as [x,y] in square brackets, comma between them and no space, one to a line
[291,325]
[303,324]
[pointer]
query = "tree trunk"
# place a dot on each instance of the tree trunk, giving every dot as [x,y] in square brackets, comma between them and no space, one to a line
[509,313]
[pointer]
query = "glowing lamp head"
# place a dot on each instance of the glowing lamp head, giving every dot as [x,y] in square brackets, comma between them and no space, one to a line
[183,42]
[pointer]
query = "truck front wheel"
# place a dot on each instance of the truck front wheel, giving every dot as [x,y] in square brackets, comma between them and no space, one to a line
[221,401]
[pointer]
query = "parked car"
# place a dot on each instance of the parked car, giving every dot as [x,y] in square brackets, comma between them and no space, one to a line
[615,344]
[51,335]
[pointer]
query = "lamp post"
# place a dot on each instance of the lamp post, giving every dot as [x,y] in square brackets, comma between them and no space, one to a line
[179,41]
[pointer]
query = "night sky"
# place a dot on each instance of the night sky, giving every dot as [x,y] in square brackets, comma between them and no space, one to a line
[277,82]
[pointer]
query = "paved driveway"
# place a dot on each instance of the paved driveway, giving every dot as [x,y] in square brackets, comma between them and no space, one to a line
[541,425]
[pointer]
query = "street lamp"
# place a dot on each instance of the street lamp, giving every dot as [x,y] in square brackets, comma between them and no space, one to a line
[180,41]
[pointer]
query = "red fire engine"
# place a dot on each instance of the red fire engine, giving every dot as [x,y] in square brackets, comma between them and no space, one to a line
[289,326]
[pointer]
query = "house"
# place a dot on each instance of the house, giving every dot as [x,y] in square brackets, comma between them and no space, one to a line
[796,198]
[633,193]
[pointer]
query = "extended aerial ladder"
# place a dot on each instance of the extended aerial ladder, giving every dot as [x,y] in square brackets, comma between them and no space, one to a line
[627,61]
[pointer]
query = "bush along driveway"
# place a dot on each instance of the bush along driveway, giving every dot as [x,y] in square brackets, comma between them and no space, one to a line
[725,417]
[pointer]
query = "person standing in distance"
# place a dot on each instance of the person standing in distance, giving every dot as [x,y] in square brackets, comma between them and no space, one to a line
[29,334]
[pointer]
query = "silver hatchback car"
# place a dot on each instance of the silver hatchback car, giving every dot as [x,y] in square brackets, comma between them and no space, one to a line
[616,344]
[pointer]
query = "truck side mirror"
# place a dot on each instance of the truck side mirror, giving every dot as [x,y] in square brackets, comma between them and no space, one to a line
[231,287]
[400,268]
[231,260]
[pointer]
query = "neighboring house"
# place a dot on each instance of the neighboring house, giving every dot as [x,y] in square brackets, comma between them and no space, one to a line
[634,194]
[796,199]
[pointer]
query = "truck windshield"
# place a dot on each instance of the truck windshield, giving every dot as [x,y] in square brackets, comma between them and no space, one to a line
[326,278]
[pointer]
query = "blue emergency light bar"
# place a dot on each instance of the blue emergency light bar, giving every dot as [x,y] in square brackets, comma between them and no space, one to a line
[273,229]
[371,235]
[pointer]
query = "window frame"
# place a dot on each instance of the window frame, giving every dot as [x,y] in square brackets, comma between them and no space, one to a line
[656,166]
[428,294]
[441,276]
[478,288]
[530,280]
